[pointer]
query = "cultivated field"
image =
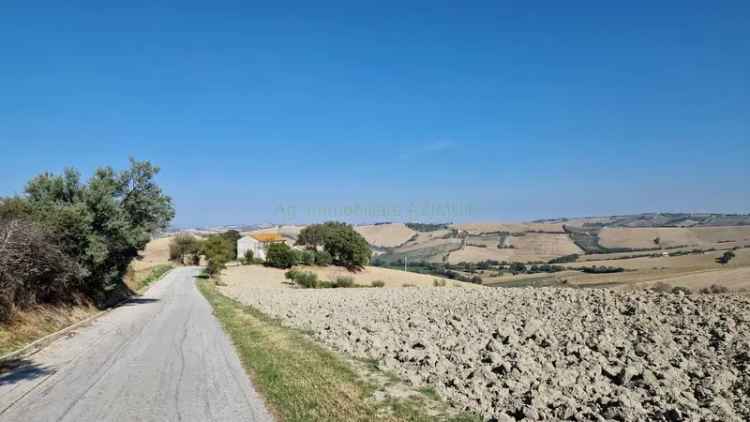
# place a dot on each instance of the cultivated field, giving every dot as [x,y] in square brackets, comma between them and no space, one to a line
[550,354]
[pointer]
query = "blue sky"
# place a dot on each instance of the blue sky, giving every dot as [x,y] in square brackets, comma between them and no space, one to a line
[431,111]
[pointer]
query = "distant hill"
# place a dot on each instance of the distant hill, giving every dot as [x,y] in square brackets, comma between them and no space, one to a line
[656,220]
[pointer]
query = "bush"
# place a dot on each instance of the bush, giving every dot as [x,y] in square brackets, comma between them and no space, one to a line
[280,255]
[714,289]
[343,281]
[377,283]
[33,269]
[681,289]
[249,257]
[438,282]
[725,258]
[306,258]
[564,259]
[601,270]
[323,258]
[218,250]
[517,268]
[305,279]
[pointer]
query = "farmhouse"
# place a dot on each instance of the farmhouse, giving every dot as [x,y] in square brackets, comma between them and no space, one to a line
[258,243]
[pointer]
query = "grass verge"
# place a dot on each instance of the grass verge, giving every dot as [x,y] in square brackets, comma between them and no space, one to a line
[139,281]
[302,381]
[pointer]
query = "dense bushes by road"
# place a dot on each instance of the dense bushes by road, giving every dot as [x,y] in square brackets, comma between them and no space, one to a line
[63,236]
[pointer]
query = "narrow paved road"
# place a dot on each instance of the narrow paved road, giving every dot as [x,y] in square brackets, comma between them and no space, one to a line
[162,357]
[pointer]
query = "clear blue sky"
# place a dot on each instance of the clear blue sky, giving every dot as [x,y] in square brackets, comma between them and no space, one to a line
[500,110]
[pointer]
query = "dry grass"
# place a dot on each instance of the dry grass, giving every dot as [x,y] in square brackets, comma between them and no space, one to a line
[156,253]
[302,381]
[257,276]
[386,235]
[36,322]
[479,228]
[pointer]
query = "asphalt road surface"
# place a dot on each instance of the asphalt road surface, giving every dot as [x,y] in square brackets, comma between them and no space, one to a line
[161,357]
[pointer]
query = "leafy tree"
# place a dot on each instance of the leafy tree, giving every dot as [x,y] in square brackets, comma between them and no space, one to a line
[345,246]
[323,258]
[182,245]
[99,226]
[232,236]
[104,223]
[280,255]
[218,250]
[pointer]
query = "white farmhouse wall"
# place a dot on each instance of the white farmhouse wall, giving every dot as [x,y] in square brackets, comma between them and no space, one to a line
[247,243]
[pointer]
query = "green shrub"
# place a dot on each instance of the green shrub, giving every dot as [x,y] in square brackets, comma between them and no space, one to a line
[280,255]
[307,258]
[438,282]
[343,281]
[249,257]
[323,258]
[377,283]
[307,279]
[218,250]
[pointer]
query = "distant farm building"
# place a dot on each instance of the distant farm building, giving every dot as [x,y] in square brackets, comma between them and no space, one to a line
[258,243]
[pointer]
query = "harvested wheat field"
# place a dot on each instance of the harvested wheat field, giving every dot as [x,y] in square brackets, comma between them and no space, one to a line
[479,228]
[542,354]
[386,235]
[643,238]
[258,276]
[156,253]
[527,248]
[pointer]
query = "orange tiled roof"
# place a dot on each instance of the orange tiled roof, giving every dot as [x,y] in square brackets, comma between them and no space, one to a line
[267,237]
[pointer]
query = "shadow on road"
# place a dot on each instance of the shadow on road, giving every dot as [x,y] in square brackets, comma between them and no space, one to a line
[14,370]
[139,301]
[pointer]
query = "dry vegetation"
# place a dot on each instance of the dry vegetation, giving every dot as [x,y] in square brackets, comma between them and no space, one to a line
[386,235]
[38,321]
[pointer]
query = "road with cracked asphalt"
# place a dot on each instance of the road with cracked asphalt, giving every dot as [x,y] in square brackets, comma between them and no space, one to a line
[161,357]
